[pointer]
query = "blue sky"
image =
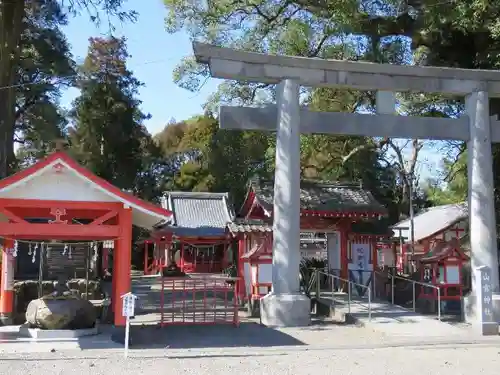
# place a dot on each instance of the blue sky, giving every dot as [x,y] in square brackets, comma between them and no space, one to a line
[155,53]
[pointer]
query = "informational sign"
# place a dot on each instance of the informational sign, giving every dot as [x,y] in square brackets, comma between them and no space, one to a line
[128,311]
[360,267]
[360,255]
[486,295]
[128,305]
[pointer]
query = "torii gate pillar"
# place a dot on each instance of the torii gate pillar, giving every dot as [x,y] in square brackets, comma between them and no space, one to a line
[285,305]
[483,235]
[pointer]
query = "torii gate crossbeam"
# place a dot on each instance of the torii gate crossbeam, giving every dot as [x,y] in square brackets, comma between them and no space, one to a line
[285,306]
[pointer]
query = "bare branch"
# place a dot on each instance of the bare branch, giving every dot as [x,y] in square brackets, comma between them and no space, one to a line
[319,47]
[366,146]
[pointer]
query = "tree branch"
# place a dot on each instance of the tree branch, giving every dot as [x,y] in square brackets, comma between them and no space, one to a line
[366,146]
[317,50]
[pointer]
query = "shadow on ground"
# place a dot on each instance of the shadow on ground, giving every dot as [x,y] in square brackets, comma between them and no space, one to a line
[213,336]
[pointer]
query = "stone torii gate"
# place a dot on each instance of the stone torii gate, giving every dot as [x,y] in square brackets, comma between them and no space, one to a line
[285,306]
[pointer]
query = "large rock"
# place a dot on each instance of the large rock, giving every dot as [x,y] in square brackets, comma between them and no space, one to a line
[60,313]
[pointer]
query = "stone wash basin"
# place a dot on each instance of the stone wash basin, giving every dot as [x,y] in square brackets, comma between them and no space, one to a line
[63,313]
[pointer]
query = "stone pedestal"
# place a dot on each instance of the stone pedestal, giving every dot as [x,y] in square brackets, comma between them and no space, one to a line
[6,319]
[285,310]
[481,309]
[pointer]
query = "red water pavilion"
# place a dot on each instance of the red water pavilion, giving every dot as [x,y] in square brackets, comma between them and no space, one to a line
[196,239]
[347,214]
[63,196]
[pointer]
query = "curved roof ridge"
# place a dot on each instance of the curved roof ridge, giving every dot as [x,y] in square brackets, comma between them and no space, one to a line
[318,183]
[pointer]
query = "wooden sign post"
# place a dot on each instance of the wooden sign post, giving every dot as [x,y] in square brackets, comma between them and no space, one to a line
[128,311]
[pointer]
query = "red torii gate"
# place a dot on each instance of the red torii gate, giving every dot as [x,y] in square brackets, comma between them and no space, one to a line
[60,190]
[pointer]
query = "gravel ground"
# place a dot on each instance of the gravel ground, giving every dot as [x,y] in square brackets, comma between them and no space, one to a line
[442,360]
[252,349]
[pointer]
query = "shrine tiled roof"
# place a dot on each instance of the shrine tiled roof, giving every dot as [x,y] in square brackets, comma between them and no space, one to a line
[432,220]
[249,226]
[197,214]
[323,196]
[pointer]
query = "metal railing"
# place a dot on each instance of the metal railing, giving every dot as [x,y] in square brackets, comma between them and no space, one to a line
[333,282]
[414,294]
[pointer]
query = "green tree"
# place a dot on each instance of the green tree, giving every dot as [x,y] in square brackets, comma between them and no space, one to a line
[341,30]
[15,19]
[207,158]
[45,67]
[108,134]
[455,186]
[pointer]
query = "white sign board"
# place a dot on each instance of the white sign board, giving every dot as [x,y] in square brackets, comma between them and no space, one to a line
[128,311]
[128,305]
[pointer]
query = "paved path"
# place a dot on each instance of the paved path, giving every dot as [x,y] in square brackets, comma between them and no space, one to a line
[194,298]
[395,321]
[388,319]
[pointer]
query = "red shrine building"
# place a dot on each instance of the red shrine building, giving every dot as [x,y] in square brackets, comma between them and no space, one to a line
[196,238]
[346,214]
[432,225]
[56,200]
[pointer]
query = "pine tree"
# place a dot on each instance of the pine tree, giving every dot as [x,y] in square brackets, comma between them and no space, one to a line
[108,135]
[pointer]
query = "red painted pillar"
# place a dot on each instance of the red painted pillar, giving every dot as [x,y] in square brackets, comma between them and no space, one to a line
[241,268]
[146,243]
[113,277]
[122,262]
[7,283]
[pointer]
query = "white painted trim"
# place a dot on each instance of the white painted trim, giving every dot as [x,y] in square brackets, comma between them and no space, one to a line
[226,208]
[170,205]
[30,177]
[85,179]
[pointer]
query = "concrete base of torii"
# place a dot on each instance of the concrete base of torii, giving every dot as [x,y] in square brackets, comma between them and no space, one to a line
[285,310]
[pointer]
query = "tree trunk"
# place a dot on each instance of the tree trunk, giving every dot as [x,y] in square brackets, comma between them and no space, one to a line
[12,14]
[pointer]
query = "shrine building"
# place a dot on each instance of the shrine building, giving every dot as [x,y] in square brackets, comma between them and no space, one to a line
[196,238]
[346,214]
[57,200]
[431,225]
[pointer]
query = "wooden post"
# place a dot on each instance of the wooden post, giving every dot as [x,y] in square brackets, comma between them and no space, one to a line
[122,263]
[241,267]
